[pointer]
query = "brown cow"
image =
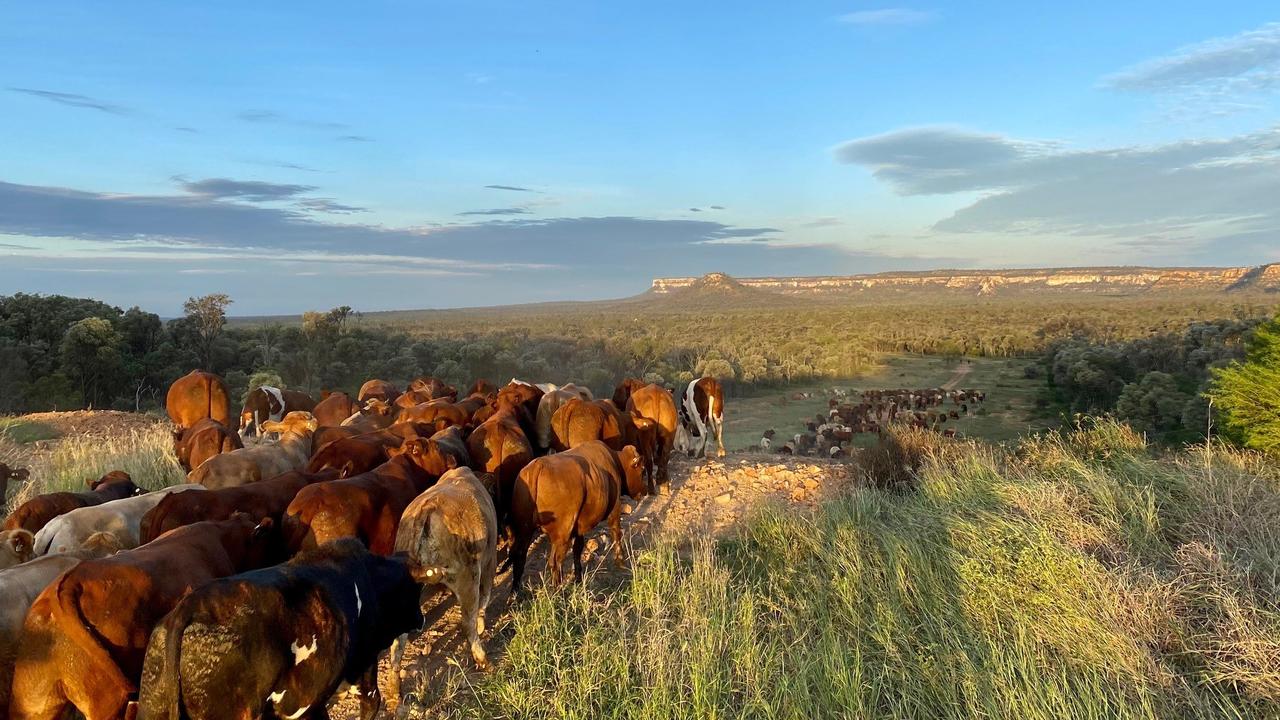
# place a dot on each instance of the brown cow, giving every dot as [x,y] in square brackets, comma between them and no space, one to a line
[84,639]
[438,413]
[35,513]
[378,389]
[548,404]
[333,408]
[202,441]
[433,389]
[196,396]
[655,403]
[325,435]
[260,462]
[499,446]
[622,393]
[266,499]
[525,396]
[20,586]
[578,422]
[366,451]
[367,506]
[267,403]
[375,415]
[566,495]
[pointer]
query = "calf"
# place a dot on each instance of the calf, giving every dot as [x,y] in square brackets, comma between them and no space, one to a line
[566,495]
[366,451]
[198,443]
[319,620]
[85,636]
[266,499]
[256,463]
[450,533]
[120,518]
[20,586]
[365,506]
[656,404]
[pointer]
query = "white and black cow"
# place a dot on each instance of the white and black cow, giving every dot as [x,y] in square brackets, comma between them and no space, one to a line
[266,403]
[701,414]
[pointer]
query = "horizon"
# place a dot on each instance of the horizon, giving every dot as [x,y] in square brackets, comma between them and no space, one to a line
[438,157]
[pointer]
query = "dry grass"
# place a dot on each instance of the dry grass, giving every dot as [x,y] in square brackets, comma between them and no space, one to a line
[146,454]
[1079,575]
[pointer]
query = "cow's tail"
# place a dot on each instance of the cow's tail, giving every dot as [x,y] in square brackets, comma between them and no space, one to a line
[44,538]
[161,698]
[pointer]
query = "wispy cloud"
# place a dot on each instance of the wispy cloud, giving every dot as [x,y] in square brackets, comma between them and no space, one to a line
[354,138]
[499,211]
[328,205]
[74,100]
[1249,60]
[889,16]
[1209,189]
[270,117]
[512,188]
[251,190]
[186,129]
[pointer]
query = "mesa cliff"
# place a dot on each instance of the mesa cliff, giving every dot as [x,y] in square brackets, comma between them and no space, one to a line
[1116,281]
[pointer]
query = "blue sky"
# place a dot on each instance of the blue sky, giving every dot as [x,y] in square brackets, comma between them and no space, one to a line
[422,154]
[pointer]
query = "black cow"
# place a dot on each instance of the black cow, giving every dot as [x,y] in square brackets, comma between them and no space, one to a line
[318,621]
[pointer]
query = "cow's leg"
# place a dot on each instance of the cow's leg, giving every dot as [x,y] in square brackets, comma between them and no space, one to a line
[370,695]
[397,663]
[519,555]
[555,559]
[718,424]
[615,534]
[579,544]
[467,590]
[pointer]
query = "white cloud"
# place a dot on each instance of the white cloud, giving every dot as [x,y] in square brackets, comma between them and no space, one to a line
[1244,62]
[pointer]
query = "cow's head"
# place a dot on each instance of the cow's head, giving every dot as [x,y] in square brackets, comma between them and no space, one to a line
[426,454]
[298,422]
[16,547]
[633,471]
[111,478]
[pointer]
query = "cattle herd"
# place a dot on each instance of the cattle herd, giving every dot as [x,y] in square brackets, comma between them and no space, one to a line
[830,435]
[297,550]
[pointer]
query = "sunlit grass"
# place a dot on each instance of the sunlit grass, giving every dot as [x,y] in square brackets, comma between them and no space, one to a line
[1080,575]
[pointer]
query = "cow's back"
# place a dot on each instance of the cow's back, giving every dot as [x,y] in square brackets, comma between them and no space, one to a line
[198,395]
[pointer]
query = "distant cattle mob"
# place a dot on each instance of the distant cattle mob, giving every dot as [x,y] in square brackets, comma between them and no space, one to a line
[298,548]
[830,434]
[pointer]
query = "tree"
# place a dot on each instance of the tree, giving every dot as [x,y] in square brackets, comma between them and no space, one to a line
[91,354]
[208,315]
[1153,404]
[1248,394]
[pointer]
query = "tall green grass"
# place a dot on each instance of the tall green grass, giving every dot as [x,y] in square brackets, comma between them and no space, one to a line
[1078,575]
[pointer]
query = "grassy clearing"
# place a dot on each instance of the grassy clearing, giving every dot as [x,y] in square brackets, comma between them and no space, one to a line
[25,431]
[1010,411]
[1076,575]
[147,455]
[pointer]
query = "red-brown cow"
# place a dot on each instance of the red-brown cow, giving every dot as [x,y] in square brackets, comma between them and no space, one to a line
[39,510]
[499,446]
[333,408]
[85,636]
[701,410]
[566,495]
[196,396]
[367,506]
[378,389]
[202,441]
[366,451]
[655,403]
[266,499]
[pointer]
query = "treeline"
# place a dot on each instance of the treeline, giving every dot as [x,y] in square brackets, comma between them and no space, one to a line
[1156,384]
[60,352]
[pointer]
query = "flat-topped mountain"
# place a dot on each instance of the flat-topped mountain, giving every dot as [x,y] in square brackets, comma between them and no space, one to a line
[1097,281]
